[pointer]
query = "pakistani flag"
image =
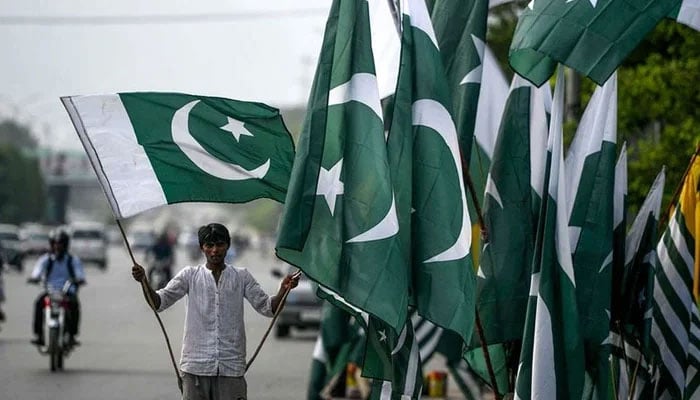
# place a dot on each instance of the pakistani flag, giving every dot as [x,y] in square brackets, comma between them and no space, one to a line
[632,306]
[591,36]
[152,149]
[340,341]
[675,327]
[340,223]
[443,279]
[620,224]
[552,360]
[511,204]
[590,171]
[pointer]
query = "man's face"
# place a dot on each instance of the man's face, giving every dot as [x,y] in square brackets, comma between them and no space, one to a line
[58,248]
[215,252]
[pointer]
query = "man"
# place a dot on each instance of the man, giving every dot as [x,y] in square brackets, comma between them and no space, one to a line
[213,350]
[56,268]
[161,255]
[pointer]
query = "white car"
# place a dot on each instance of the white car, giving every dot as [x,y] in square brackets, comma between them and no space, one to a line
[89,242]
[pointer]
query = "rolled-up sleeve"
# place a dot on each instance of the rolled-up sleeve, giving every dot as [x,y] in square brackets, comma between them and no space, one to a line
[256,296]
[175,289]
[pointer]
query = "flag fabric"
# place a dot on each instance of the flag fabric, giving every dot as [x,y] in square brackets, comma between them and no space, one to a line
[620,224]
[511,206]
[590,175]
[394,361]
[153,149]
[340,223]
[675,327]
[631,303]
[591,36]
[552,360]
[341,340]
[428,180]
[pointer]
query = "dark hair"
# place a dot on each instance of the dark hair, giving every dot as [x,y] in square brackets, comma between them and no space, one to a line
[60,236]
[213,233]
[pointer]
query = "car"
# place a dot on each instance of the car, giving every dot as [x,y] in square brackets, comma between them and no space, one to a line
[141,239]
[11,246]
[302,309]
[89,242]
[35,240]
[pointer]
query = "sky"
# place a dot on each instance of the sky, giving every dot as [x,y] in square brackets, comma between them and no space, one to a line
[243,49]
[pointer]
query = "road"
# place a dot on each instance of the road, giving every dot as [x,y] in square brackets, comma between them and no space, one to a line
[123,354]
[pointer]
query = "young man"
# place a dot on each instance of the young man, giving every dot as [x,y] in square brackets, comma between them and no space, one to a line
[213,349]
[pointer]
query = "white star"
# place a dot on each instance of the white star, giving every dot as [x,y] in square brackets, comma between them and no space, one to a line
[236,128]
[329,184]
[382,335]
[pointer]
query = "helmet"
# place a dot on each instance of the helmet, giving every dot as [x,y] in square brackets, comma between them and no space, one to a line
[59,236]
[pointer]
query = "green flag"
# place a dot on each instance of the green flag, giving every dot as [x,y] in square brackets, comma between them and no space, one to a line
[152,149]
[443,279]
[339,223]
[675,327]
[591,36]
[632,305]
[590,170]
[552,360]
[511,201]
[341,340]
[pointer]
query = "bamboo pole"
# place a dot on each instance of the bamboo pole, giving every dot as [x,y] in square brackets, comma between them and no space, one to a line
[151,302]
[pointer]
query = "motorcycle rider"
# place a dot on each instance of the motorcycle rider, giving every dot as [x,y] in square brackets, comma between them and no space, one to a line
[162,255]
[56,268]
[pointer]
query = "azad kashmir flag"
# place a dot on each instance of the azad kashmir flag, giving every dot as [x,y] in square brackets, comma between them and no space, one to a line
[631,305]
[675,329]
[552,360]
[591,36]
[340,223]
[153,149]
[590,170]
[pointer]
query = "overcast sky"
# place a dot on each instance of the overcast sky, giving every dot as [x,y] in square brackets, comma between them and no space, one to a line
[243,49]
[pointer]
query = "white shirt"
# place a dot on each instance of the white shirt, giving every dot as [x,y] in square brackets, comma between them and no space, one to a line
[214,340]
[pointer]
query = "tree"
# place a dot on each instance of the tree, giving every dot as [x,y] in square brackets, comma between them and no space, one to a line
[22,192]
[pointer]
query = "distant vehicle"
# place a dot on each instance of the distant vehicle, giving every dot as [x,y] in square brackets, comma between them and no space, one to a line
[89,242]
[302,309]
[11,246]
[141,239]
[35,240]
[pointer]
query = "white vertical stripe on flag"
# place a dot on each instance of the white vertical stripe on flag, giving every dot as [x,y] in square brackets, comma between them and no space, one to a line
[105,130]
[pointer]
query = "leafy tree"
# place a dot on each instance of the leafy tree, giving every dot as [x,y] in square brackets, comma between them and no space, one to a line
[22,196]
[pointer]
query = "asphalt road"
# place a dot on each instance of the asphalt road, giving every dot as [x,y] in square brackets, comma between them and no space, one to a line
[123,353]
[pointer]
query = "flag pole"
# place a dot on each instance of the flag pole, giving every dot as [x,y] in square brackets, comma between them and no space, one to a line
[274,318]
[151,302]
[477,319]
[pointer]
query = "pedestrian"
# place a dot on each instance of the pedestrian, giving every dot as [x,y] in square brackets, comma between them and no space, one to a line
[213,357]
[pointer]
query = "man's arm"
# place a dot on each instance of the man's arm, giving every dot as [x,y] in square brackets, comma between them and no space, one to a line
[139,275]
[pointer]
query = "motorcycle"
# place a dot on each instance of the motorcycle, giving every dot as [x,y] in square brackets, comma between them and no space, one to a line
[56,309]
[159,273]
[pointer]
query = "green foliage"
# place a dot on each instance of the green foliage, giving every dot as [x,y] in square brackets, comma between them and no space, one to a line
[22,196]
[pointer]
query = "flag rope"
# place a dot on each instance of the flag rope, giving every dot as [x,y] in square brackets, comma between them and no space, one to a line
[151,302]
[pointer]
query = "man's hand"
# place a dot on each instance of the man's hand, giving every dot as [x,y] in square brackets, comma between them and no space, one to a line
[290,281]
[138,273]
[33,281]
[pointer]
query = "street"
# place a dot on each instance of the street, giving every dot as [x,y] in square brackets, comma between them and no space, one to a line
[123,353]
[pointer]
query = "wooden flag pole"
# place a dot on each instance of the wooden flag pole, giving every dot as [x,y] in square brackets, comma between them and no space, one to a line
[274,318]
[151,302]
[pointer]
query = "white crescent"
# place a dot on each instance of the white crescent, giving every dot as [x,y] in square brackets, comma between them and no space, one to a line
[202,158]
[435,116]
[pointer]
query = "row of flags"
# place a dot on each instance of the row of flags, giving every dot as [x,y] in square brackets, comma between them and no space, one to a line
[378,208]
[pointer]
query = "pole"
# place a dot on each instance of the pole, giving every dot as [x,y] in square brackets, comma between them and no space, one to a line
[151,302]
[269,328]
